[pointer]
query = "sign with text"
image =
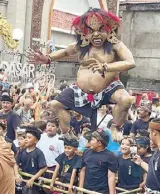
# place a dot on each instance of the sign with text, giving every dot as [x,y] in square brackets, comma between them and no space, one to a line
[17,71]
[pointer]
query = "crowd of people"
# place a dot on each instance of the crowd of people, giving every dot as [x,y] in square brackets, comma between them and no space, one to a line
[85,158]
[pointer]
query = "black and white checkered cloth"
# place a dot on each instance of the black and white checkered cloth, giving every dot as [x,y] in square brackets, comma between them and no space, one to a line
[80,97]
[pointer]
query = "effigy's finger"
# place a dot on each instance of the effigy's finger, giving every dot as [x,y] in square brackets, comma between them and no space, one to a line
[89,61]
[93,65]
[31,50]
[31,61]
[39,52]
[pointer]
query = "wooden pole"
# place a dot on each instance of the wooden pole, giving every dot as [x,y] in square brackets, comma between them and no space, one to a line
[61,184]
[121,189]
[132,191]
[103,4]
[50,21]
[117,11]
[47,187]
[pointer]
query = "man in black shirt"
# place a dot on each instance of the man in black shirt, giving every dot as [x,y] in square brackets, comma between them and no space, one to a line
[77,121]
[10,118]
[143,122]
[153,168]
[99,165]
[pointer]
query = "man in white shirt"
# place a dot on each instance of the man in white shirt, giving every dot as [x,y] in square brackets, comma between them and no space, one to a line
[101,113]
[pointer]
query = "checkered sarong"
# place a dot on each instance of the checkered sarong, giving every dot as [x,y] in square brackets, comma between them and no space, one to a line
[80,97]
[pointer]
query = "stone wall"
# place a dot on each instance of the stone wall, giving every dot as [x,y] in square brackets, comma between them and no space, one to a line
[141,35]
[37,18]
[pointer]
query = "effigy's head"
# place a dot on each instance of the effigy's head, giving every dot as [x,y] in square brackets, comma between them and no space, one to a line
[95,27]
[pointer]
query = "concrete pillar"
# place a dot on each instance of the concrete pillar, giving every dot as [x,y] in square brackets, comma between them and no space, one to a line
[28,24]
[16,15]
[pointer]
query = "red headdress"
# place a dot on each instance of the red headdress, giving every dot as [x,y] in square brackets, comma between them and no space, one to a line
[109,20]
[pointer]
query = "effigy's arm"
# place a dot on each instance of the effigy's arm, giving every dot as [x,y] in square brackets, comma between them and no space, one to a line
[70,50]
[127,61]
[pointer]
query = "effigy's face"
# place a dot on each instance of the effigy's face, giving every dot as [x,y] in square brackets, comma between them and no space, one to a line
[96,33]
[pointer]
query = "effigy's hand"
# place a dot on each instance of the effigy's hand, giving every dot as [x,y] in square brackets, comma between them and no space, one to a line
[89,61]
[36,57]
[95,65]
[98,67]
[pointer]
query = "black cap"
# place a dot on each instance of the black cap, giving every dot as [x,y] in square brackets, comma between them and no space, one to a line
[34,131]
[6,98]
[88,135]
[143,141]
[70,140]
[102,136]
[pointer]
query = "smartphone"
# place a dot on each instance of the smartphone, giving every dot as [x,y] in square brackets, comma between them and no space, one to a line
[133,151]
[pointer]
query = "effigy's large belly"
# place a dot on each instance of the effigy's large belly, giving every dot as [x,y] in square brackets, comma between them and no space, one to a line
[94,82]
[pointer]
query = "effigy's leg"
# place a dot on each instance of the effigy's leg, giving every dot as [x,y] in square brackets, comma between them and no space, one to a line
[123,102]
[62,114]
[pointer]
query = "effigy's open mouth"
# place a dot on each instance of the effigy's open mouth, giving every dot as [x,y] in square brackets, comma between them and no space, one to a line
[97,41]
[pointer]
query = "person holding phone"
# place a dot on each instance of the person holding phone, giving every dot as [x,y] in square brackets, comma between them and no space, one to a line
[153,168]
[130,175]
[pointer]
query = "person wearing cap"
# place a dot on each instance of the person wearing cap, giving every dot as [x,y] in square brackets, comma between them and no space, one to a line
[99,165]
[143,121]
[153,168]
[143,148]
[69,163]
[9,117]
[29,86]
[31,160]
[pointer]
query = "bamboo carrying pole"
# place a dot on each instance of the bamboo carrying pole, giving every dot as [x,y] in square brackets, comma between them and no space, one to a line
[47,187]
[61,184]
[123,191]
[132,191]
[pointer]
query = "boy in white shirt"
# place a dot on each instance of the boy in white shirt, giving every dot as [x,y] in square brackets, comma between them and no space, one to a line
[50,145]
